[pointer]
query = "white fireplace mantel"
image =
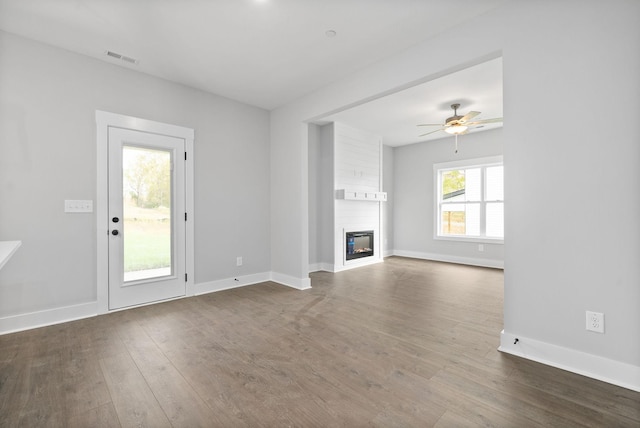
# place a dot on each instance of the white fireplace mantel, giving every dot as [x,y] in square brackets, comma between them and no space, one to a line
[353,195]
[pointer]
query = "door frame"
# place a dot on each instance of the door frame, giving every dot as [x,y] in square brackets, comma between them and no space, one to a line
[105,120]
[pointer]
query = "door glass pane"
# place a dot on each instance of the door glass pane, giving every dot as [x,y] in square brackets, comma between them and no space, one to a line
[146,201]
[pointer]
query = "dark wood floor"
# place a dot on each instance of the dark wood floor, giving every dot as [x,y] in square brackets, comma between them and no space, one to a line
[404,343]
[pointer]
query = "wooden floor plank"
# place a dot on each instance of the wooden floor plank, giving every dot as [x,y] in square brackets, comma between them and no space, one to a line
[132,398]
[104,416]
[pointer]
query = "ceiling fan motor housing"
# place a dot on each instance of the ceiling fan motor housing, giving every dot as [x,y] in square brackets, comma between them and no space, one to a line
[452,119]
[455,116]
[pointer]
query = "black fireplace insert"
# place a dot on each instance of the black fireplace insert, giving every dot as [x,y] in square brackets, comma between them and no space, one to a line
[359,244]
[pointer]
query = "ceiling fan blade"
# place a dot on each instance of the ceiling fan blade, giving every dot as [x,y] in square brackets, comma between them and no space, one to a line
[430,124]
[441,129]
[483,121]
[468,116]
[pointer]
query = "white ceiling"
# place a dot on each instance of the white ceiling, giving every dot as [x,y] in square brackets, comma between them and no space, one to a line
[395,116]
[265,53]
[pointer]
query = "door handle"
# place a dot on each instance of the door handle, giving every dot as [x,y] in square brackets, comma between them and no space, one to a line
[114,232]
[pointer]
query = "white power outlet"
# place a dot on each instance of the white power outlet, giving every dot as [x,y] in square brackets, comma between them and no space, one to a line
[238,261]
[595,321]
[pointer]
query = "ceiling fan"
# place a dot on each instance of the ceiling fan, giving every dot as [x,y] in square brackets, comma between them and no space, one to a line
[459,125]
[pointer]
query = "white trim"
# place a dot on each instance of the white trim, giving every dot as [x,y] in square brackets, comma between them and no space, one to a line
[290,281]
[190,252]
[104,120]
[229,283]
[325,267]
[21,322]
[356,263]
[582,363]
[473,261]
[489,160]
[474,239]
[316,267]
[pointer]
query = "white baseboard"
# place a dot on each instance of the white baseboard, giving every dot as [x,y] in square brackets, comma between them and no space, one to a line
[241,281]
[316,267]
[28,321]
[291,281]
[491,263]
[352,264]
[229,283]
[593,366]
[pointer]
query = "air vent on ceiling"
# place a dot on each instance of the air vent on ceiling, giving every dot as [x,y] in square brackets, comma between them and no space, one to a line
[122,57]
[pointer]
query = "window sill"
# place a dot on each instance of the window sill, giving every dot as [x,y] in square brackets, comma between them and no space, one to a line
[476,240]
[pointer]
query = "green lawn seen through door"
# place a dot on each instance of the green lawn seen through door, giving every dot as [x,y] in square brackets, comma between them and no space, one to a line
[147,243]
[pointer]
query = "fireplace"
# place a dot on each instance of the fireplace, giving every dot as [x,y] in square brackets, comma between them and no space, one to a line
[359,244]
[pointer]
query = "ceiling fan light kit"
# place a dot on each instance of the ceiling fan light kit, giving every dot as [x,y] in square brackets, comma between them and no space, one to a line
[456,129]
[458,125]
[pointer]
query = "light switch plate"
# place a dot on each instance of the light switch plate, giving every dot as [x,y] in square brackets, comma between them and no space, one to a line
[78,206]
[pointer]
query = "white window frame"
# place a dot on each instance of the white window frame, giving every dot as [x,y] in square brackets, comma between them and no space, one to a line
[438,168]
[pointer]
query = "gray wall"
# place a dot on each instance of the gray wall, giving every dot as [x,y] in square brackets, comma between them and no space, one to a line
[414,197]
[388,180]
[48,99]
[321,196]
[315,231]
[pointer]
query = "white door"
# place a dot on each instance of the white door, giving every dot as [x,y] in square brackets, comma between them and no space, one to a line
[147,220]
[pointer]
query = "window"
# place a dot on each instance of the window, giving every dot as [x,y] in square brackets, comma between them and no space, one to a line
[470,200]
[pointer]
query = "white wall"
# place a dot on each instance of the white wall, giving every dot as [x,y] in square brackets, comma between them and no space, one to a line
[561,59]
[48,99]
[414,199]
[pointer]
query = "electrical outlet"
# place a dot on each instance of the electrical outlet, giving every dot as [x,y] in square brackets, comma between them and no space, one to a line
[238,261]
[595,321]
[480,247]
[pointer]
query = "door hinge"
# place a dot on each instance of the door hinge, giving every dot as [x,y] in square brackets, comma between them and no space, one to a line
[185,277]
[185,216]
[185,155]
